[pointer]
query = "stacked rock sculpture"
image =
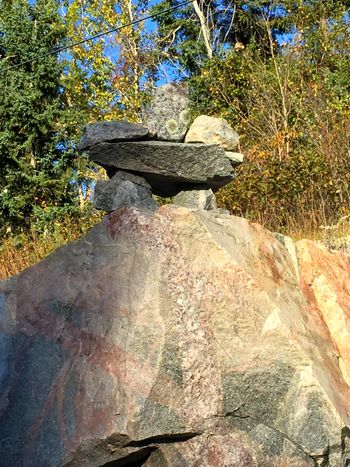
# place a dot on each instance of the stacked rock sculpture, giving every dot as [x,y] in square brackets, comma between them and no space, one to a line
[152,158]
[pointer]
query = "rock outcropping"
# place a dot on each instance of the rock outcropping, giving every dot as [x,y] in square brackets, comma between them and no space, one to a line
[178,338]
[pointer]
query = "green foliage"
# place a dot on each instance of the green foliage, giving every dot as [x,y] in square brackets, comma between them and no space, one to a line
[230,24]
[108,78]
[292,108]
[178,32]
[279,74]
[221,86]
[36,161]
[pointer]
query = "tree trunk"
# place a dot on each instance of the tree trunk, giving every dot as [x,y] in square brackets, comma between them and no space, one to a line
[204,28]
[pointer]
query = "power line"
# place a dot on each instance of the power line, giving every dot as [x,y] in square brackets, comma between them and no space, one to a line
[96,36]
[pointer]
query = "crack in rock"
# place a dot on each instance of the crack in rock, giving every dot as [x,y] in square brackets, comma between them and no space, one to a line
[163,439]
[119,447]
[298,446]
[135,459]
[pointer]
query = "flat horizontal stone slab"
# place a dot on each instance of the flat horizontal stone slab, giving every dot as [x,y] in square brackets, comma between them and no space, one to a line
[111,131]
[168,167]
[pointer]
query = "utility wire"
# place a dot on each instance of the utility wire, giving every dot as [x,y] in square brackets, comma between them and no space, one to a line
[96,36]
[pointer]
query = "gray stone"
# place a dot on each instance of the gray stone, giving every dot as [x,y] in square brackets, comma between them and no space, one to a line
[123,190]
[167,118]
[236,158]
[168,167]
[111,131]
[196,199]
[221,211]
[211,130]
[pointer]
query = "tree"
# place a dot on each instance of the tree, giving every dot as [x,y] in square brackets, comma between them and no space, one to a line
[36,165]
[192,34]
[289,99]
[108,77]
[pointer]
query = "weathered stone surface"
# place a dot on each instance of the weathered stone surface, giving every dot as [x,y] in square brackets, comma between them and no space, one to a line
[168,167]
[212,130]
[111,131]
[181,338]
[236,158]
[325,278]
[325,281]
[167,118]
[289,245]
[124,189]
[196,199]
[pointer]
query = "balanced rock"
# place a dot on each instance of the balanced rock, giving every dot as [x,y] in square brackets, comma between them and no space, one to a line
[124,189]
[182,338]
[168,167]
[211,130]
[167,117]
[196,199]
[111,131]
[236,158]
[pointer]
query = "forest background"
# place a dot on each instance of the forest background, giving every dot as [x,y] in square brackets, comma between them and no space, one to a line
[277,71]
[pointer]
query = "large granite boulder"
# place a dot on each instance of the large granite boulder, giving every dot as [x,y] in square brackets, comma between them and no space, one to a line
[111,132]
[168,167]
[181,338]
[167,117]
[212,130]
[124,189]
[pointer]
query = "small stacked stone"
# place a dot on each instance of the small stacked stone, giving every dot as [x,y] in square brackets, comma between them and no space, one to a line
[162,156]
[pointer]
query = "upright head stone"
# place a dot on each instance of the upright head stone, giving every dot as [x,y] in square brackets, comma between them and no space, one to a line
[167,117]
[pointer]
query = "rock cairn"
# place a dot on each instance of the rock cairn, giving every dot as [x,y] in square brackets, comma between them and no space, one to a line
[162,156]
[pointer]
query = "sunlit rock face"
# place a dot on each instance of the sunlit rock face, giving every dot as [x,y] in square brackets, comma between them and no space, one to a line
[212,130]
[326,284]
[178,338]
[168,117]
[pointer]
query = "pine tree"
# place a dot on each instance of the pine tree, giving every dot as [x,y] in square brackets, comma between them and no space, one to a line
[194,33]
[36,168]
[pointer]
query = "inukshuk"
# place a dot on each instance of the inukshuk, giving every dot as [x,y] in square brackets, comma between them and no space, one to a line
[152,158]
